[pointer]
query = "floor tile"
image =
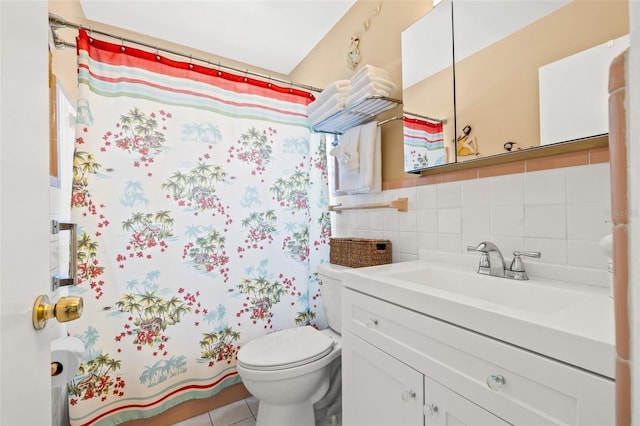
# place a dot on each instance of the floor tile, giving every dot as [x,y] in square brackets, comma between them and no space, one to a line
[231,414]
[253,403]
[250,421]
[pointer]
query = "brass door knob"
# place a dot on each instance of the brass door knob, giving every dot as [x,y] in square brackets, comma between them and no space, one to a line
[67,309]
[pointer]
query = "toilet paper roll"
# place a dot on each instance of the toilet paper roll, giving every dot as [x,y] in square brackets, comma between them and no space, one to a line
[67,352]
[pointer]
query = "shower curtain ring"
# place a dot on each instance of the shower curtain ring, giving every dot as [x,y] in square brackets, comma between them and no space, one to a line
[191,61]
[157,54]
[246,72]
[122,48]
[219,71]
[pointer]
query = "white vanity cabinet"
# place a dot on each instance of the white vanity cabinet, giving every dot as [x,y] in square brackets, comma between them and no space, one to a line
[404,367]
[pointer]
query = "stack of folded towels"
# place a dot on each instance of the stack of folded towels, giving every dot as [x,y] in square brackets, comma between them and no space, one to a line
[369,81]
[366,82]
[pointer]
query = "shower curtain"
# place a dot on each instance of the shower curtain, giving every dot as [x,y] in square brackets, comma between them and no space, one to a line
[201,199]
[423,144]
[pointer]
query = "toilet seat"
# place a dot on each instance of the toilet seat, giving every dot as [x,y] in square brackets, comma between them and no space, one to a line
[285,349]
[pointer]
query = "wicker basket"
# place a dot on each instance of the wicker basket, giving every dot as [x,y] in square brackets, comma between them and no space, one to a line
[359,252]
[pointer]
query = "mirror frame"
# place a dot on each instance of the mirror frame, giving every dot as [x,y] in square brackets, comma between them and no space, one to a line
[601,141]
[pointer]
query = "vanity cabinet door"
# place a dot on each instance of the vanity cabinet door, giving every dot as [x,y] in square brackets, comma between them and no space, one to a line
[443,407]
[377,389]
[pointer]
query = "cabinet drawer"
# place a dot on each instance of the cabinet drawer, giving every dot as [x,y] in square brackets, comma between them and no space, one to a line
[536,390]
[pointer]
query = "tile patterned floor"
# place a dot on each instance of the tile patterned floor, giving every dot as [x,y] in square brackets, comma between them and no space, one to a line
[240,413]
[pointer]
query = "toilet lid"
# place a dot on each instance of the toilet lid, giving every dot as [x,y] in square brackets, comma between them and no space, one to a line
[285,349]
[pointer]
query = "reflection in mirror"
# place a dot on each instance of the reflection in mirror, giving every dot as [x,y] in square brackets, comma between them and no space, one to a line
[427,77]
[526,65]
[423,142]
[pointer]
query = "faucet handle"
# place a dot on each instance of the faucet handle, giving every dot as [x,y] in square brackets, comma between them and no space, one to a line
[528,253]
[517,265]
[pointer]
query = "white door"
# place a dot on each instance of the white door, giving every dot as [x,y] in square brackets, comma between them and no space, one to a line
[25,383]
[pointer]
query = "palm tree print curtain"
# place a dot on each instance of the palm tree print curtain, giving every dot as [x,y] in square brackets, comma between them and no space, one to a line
[201,199]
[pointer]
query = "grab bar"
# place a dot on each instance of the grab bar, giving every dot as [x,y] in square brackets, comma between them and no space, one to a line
[72,279]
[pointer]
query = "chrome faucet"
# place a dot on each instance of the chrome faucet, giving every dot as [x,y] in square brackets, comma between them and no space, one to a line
[492,262]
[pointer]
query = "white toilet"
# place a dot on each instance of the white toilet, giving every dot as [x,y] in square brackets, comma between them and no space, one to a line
[295,373]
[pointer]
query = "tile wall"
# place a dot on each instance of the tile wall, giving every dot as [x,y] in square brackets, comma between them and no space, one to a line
[561,212]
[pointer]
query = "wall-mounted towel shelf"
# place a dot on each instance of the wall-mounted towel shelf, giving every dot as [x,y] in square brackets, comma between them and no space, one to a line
[402,204]
[353,115]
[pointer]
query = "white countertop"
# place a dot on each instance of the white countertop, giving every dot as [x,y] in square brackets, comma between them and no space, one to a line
[569,322]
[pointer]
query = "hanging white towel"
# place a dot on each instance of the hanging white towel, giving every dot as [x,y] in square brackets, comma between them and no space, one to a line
[347,152]
[369,177]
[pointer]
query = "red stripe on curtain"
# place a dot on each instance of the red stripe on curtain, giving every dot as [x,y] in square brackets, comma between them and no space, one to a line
[425,126]
[110,53]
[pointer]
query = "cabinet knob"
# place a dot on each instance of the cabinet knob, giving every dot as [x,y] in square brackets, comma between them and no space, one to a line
[407,395]
[371,322]
[430,410]
[495,382]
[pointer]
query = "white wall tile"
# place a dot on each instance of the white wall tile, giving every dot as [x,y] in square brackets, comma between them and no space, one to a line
[507,220]
[377,220]
[587,221]
[427,240]
[391,220]
[449,195]
[545,187]
[411,195]
[553,250]
[476,220]
[586,254]
[407,221]
[449,221]
[450,242]
[363,219]
[426,197]
[427,220]
[476,193]
[407,242]
[558,212]
[589,184]
[546,221]
[508,189]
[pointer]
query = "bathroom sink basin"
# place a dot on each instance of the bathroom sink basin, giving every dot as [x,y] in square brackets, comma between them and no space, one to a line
[532,295]
[565,320]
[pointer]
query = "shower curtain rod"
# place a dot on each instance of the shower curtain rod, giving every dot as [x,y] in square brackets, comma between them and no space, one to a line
[401,117]
[56,22]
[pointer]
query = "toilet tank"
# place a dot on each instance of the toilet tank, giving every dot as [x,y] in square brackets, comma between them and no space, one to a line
[330,276]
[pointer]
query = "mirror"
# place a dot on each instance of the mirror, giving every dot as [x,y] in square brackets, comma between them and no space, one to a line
[526,73]
[428,91]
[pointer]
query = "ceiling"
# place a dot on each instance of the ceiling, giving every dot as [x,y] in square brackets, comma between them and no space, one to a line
[275,35]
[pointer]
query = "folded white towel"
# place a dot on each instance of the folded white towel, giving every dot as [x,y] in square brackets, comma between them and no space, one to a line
[336,99]
[365,92]
[347,152]
[339,86]
[378,82]
[371,70]
[369,177]
[325,112]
